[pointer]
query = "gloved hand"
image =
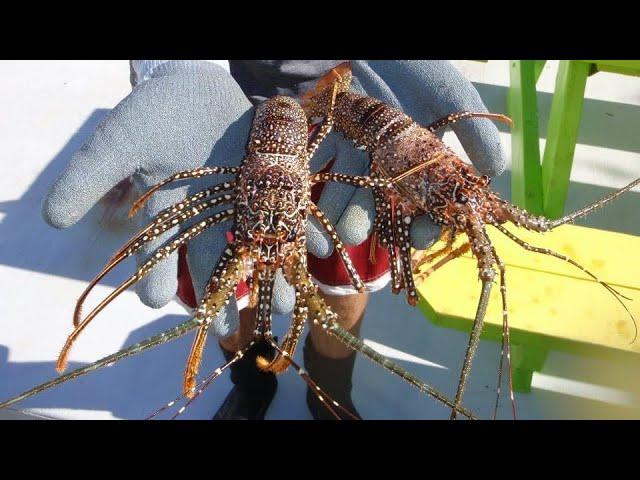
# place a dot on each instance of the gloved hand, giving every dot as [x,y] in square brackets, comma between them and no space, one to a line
[426,91]
[186,115]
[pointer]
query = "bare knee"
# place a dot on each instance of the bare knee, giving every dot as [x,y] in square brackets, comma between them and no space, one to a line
[245,332]
[350,310]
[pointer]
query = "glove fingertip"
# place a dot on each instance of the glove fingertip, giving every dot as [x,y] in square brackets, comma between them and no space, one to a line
[424,233]
[284,295]
[227,321]
[318,242]
[356,223]
[159,287]
[54,215]
[492,161]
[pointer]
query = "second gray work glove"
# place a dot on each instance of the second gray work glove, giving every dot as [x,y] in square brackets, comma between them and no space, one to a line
[426,90]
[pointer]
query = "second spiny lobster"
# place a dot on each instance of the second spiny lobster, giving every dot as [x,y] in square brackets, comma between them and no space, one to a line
[429,178]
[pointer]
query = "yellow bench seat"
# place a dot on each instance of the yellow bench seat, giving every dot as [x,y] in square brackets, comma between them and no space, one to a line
[552,305]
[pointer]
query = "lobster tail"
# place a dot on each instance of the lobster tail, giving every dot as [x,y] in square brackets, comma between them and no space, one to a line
[316,102]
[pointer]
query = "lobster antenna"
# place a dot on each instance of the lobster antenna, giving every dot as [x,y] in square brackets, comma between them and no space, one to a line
[321,394]
[594,206]
[506,342]
[417,168]
[545,251]
[193,393]
[159,339]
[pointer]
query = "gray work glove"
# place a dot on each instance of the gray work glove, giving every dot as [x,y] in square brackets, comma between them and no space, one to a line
[426,91]
[186,115]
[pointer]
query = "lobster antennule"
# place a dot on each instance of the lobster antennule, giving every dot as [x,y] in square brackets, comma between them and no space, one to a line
[280,364]
[316,101]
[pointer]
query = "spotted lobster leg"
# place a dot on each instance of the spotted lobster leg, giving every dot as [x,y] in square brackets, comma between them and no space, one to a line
[323,396]
[157,256]
[165,220]
[451,254]
[183,175]
[354,276]
[384,228]
[327,125]
[402,228]
[221,286]
[505,351]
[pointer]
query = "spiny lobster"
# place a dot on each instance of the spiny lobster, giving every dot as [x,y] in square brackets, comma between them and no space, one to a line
[436,182]
[271,198]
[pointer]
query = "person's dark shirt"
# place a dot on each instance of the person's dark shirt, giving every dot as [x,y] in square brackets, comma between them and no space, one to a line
[262,79]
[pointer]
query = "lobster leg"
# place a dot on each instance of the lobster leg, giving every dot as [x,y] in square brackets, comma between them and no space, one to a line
[422,257]
[453,254]
[148,234]
[177,209]
[371,181]
[183,175]
[159,339]
[387,238]
[196,197]
[159,255]
[221,286]
[455,117]
[321,394]
[354,276]
[317,310]
[356,181]
[266,278]
[380,203]
[402,227]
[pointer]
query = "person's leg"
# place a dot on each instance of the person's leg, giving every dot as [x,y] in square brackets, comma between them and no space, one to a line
[329,362]
[350,310]
[253,389]
[243,334]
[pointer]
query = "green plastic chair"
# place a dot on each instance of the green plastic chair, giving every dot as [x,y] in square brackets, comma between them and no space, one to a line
[539,187]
